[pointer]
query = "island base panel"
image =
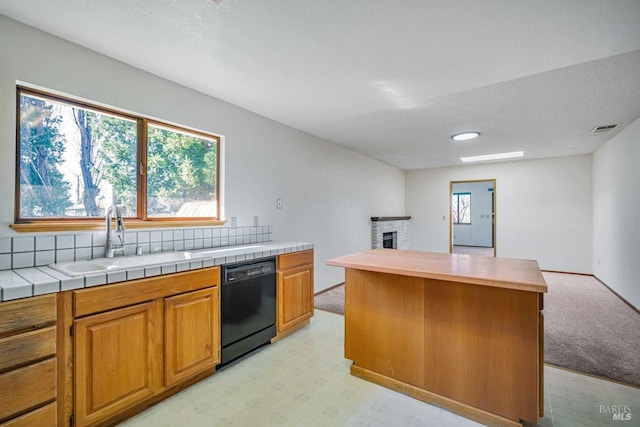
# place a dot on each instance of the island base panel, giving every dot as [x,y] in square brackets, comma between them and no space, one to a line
[374,315]
[477,346]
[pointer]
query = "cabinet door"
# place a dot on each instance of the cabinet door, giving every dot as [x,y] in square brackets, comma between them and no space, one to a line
[118,360]
[192,334]
[295,296]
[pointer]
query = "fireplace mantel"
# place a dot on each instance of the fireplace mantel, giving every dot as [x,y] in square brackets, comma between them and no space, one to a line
[390,218]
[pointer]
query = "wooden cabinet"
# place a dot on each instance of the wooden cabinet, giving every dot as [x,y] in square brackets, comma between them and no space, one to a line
[295,290]
[28,364]
[192,334]
[117,356]
[137,342]
[466,336]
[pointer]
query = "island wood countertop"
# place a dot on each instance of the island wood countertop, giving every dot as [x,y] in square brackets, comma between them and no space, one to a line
[505,273]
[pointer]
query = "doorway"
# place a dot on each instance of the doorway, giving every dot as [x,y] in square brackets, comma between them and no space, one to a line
[472,228]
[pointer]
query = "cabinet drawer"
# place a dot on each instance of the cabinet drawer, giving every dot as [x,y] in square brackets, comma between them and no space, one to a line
[41,417]
[25,313]
[295,259]
[21,349]
[27,387]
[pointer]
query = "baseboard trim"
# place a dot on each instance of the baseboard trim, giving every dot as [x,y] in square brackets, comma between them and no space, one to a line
[328,289]
[462,409]
[633,307]
[567,272]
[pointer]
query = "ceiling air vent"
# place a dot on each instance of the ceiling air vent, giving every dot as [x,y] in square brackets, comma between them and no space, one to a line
[602,129]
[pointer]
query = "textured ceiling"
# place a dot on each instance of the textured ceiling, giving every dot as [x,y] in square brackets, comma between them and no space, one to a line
[389,79]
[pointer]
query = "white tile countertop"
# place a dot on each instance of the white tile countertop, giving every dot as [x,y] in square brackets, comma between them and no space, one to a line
[32,281]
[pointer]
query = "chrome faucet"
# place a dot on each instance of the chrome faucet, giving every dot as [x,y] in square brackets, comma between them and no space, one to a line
[112,248]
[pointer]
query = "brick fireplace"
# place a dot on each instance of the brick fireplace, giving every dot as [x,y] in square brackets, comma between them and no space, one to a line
[390,232]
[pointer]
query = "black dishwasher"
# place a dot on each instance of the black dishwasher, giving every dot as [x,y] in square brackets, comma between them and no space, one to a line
[248,306]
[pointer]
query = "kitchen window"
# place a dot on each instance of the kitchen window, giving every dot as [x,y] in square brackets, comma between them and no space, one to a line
[461,208]
[75,159]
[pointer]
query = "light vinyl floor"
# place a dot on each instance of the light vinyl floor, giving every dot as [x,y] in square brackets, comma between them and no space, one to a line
[304,380]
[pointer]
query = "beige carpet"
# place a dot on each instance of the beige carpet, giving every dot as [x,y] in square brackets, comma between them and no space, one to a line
[330,300]
[587,328]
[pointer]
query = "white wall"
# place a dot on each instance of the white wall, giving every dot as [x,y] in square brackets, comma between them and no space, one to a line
[328,192]
[479,232]
[543,209]
[616,213]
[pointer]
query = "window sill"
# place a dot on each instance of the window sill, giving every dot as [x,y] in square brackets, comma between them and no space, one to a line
[100,225]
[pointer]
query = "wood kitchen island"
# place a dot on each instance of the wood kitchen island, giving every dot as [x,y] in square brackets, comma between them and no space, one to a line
[459,331]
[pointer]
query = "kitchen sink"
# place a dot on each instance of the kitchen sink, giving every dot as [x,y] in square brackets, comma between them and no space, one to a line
[104,265]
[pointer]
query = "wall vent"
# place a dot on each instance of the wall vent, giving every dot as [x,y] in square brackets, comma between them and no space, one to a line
[606,128]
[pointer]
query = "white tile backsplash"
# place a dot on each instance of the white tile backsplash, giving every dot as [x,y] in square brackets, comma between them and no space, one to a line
[64,255]
[65,241]
[98,251]
[143,237]
[45,257]
[23,259]
[83,240]
[42,250]
[44,243]
[99,239]
[5,261]
[5,245]
[23,244]
[83,254]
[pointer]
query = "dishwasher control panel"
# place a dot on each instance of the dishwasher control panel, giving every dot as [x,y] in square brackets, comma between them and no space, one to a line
[247,271]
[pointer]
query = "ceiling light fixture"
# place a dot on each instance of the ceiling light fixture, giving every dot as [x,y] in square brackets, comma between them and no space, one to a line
[465,136]
[498,156]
